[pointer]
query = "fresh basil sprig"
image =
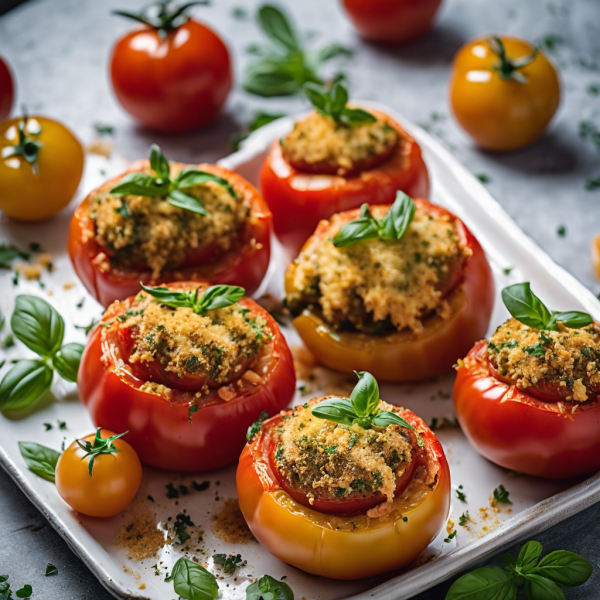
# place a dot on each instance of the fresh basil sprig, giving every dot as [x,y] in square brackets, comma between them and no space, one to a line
[392,227]
[41,328]
[161,184]
[213,298]
[527,308]
[284,66]
[192,581]
[540,579]
[40,459]
[100,446]
[361,408]
[333,102]
[269,588]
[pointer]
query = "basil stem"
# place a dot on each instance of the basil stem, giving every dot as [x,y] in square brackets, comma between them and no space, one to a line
[333,103]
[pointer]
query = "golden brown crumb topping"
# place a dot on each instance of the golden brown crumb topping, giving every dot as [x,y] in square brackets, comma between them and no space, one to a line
[148,231]
[380,285]
[329,460]
[568,358]
[320,140]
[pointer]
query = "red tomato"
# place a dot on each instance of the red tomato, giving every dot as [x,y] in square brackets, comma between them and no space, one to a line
[7,90]
[299,200]
[244,265]
[172,78]
[159,428]
[392,20]
[517,431]
[404,356]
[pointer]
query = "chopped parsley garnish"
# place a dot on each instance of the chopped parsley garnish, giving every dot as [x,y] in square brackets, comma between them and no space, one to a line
[229,562]
[191,411]
[182,522]
[462,520]
[257,425]
[450,537]
[50,570]
[172,491]
[501,495]
[460,494]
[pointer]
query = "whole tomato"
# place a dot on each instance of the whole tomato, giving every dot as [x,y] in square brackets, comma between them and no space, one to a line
[40,167]
[7,90]
[172,75]
[503,92]
[392,20]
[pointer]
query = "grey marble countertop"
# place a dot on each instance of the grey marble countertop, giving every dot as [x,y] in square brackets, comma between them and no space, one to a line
[59,50]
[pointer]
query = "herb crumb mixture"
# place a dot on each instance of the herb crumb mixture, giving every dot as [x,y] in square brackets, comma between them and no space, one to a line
[380,284]
[320,140]
[143,230]
[327,460]
[569,358]
[217,345]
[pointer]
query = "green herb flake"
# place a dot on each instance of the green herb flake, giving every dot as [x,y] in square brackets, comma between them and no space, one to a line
[450,537]
[460,494]
[50,570]
[501,495]
[462,520]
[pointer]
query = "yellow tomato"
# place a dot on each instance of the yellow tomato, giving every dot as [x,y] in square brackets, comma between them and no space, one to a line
[503,92]
[596,255]
[41,163]
[114,481]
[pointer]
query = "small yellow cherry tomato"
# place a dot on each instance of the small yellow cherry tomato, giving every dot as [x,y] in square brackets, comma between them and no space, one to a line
[503,92]
[106,487]
[596,255]
[41,163]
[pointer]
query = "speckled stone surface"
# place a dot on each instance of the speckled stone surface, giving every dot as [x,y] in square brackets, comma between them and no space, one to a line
[60,49]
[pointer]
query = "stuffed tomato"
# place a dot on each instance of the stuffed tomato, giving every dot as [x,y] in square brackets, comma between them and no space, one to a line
[334,160]
[400,291]
[527,398]
[162,222]
[185,369]
[342,490]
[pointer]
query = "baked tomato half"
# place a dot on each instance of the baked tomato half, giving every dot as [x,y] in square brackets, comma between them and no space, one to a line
[329,164]
[404,309]
[217,229]
[185,369]
[340,499]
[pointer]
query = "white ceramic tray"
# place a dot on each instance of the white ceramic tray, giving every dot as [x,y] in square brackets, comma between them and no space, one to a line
[537,504]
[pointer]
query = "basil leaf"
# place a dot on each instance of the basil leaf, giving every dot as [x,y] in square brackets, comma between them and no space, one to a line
[483,584]
[365,395]
[573,319]
[339,98]
[564,568]
[317,98]
[66,361]
[540,588]
[187,202]
[358,230]
[399,217]
[158,163]
[139,184]
[356,116]
[37,324]
[24,384]
[219,296]
[24,592]
[528,556]
[273,77]
[39,459]
[269,588]
[8,254]
[383,418]
[276,25]
[193,582]
[169,297]
[333,51]
[525,306]
[190,177]
[338,410]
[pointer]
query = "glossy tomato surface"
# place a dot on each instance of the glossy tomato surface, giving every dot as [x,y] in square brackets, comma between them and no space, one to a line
[113,484]
[7,90]
[159,428]
[405,356]
[174,83]
[340,547]
[517,431]
[245,264]
[37,192]
[299,200]
[502,114]
[394,21]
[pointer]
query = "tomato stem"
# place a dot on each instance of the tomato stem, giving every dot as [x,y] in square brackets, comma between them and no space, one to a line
[28,146]
[508,68]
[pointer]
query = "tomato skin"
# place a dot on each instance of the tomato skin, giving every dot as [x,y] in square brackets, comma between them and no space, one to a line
[172,84]
[297,209]
[27,196]
[114,482]
[519,432]
[502,114]
[394,21]
[405,357]
[244,265]
[159,429]
[301,537]
[7,90]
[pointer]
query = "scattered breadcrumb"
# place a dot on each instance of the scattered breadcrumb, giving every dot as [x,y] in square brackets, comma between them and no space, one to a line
[229,524]
[140,536]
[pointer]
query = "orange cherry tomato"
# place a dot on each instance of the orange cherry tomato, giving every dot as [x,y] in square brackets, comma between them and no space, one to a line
[520,432]
[37,189]
[404,356]
[172,75]
[500,104]
[113,484]
[299,200]
[245,264]
[334,545]
[7,90]
[393,21]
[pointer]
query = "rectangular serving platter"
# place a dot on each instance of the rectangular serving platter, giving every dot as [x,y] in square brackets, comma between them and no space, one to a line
[537,504]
